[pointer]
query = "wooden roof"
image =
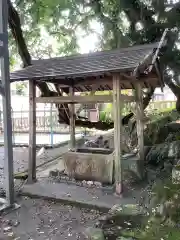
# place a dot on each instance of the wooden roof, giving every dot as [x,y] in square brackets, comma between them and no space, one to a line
[86,69]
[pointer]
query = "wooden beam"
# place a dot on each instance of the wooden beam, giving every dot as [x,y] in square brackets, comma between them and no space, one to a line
[128,77]
[82,99]
[117,104]
[140,125]
[125,78]
[72,120]
[32,133]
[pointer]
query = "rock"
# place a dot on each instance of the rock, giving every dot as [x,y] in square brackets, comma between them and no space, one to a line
[11,234]
[123,216]
[176,175]
[94,234]
[16,223]
[133,169]
[163,152]
[80,142]
[98,184]
[129,209]
[174,127]
[7,229]
[13,223]
[160,209]
[146,150]
[54,173]
[125,238]
[168,128]
[107,141]
[90,183]
[170,138]
[106,144]
[91,144]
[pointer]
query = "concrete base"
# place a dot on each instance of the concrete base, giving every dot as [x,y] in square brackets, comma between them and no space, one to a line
[81,196]
[5,208]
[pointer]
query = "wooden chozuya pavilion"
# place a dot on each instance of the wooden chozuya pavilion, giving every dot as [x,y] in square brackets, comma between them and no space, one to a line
[135,67]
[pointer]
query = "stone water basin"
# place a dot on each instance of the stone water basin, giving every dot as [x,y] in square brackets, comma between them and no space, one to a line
[97,164]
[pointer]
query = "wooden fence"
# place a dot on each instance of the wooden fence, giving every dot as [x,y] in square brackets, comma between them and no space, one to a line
[47,120]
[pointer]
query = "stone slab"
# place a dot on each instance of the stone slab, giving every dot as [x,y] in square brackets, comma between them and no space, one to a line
[82,196]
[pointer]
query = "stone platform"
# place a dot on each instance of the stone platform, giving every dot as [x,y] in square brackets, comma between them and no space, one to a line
[82,196]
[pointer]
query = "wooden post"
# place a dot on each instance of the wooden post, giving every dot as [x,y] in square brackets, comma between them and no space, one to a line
[140,124]
[32,133]
[117,133]
[72,121]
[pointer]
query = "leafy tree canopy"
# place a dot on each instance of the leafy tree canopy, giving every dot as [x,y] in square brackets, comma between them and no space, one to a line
[45,28]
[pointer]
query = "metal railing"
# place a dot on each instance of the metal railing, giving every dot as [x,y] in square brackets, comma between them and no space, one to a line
[47,119]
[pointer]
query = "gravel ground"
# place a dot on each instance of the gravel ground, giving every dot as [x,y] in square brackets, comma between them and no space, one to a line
[20,158]
[40,219]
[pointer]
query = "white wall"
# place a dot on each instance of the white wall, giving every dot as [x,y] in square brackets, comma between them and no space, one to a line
[166,95]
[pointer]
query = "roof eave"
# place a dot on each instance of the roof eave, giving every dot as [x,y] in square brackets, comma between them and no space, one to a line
[73,76]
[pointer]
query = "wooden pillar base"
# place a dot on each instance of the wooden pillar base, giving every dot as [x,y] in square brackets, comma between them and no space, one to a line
[118,189]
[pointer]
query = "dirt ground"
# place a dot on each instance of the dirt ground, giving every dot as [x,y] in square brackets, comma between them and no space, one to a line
[46,220]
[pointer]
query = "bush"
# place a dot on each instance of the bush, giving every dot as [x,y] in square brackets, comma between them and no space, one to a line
[164,221]
[104,117]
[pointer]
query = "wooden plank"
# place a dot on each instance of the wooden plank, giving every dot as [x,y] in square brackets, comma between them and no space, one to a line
[72,120]
[32,133]
[117,104]
[82,99]
[139,122]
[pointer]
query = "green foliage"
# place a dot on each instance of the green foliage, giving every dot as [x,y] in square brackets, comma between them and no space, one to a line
[161,225]
[165,225]
[107,114]
[21,88]
[178,137]
[157,121]
[104,117]
[51,28]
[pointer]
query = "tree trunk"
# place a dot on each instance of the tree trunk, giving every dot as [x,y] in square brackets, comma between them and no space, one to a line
[15,26]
